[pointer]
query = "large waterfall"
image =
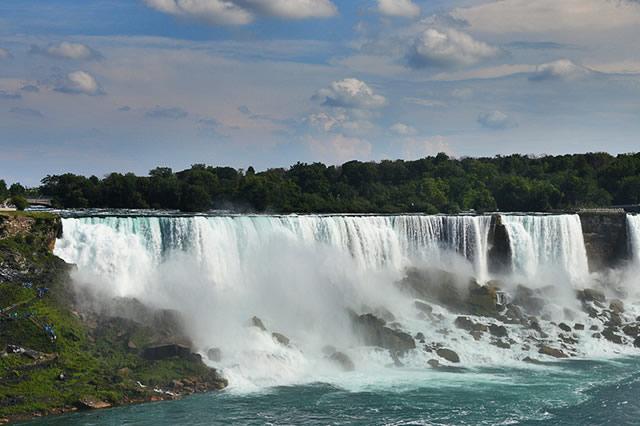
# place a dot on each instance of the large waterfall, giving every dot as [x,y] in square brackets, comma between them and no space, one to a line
[633,228]
[547,244]
[302,275]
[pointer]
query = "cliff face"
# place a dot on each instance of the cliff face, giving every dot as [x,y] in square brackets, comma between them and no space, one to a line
[54,357]
[605,238]
[499,255]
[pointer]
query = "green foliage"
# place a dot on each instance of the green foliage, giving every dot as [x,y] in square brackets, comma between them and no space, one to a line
[20,202]
[430,185]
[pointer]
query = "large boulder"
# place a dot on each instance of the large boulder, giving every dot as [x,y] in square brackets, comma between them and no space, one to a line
[556,353]
[374,332]
[281,338]
[610,333]
[448,354]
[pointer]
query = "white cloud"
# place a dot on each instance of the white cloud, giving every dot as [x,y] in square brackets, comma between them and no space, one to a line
[350,93]
[66,50]
[338,149]
[79,82]
[402,129]
[496,120]
[4,54]
[448,49]
[562,69]
[401,8]
[413,148]
[550,16]
[242,12]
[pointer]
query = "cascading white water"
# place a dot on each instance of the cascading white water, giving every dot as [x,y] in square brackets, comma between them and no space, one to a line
[547,244]
[633,229]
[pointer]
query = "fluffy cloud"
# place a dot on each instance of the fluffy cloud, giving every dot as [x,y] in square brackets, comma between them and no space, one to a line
[562,69]
[496,120]
[66,50]
[174,113]
[26,112]
[79,82]
[350,93]
[338,149]
[401,8]
[4,54]
[402,129]
[448,49]
[242,12]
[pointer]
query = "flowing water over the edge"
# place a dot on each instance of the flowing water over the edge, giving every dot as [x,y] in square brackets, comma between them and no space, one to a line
[300,274]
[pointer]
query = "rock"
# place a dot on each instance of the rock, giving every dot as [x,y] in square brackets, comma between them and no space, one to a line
[593,328]
[636,342]
[448,354]
[385,314]
[548,350]
[514,315]
[433,363]
[467,324]
[532,360]
[281,338]
[90,403]
[476,334]
[374,333]
[617,306]
[423,307]
[535,325]
[567,339]
[166,351]
[501,344]
[214,354]
[342,360]
[132,345]
[420,337]
[257,322]
[631,330]
[579,327]
[591,295]
[529,299]
[596,336]
[564,327]
[609,333]
[614,320]
[498,330]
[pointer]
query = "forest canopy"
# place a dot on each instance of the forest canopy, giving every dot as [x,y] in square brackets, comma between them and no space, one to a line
[429,185]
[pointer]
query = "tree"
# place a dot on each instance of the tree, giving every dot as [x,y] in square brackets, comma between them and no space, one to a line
[19,202]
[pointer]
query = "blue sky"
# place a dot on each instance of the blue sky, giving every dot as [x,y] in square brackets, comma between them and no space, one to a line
[124,85]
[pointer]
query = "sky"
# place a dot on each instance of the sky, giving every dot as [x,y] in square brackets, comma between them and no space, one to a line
[96,86]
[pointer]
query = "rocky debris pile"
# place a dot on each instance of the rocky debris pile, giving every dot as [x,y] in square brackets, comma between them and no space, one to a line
[374,332]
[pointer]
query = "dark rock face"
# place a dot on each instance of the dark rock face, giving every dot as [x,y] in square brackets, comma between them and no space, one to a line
[499,255]
[281,338]
[548,350]
[155,353]
[343,361]
[257,322]
[564,327]
[375,333]
[448,354]
[609,333]
[498,330]
[605,238]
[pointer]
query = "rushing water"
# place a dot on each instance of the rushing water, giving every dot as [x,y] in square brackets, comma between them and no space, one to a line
[301,274]
[633,228]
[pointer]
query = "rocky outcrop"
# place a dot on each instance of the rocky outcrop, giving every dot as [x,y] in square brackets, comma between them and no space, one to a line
[605,238]
[374,332]
[499,255]
[448,354]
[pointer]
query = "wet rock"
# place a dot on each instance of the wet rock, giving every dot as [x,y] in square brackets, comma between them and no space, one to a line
[548,350]
[529,299]
[596,336]
[514,315]
[420,337]
[281,338]
[631,330]
[342,360]
[498,330]
[448,354]
[530,360]
[214,354]
[636,342]
[433,363]
[567,339]
[593,328]
[257,322]
[384,314]
[609,333]
[375,333]
[617,306]
[615,320]
[579,327]
[591,295]
[90,403]
[476,334]
[535,325]
[501,344]
[564,327]
[423,307]
[467,324]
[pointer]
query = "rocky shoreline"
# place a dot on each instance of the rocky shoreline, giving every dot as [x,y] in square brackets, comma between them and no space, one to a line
[57,357]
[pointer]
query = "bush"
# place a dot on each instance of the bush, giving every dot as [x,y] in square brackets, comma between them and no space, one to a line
[20,202]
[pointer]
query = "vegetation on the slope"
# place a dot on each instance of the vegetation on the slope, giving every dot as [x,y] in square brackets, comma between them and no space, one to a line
[95,362]
[432,184]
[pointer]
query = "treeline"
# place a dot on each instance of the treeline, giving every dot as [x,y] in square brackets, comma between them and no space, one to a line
[432,184]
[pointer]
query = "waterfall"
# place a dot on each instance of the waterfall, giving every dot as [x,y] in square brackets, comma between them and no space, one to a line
[547,245]
[633,228]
